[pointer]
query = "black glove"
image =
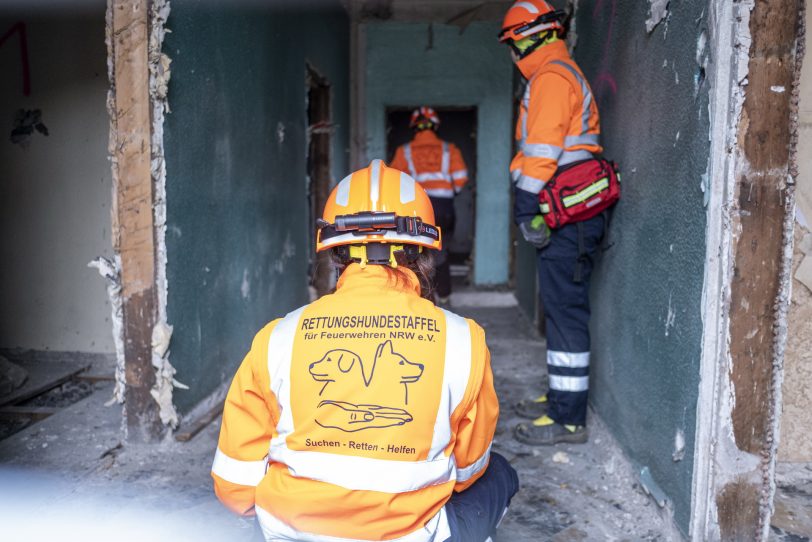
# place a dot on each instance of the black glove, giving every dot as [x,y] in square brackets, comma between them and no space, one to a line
[536,232]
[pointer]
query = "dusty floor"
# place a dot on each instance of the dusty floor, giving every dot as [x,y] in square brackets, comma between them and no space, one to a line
[74,467]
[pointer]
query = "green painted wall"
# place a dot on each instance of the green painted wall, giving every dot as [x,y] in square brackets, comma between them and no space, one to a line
[235,144]
[647,325]
[411,64]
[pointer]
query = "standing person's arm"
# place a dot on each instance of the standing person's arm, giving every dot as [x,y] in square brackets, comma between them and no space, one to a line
[250,415]
[548,117]
[459,173]
[477,415]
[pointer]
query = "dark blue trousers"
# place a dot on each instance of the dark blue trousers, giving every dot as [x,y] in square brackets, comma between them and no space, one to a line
[565,268]
[474,513]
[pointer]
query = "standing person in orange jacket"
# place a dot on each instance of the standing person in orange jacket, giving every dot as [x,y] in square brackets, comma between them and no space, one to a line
[368,414]
[558,128]
[439,168]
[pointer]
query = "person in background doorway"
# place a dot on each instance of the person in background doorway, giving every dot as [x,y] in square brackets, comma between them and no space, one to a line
[439,168]
[557,128]
[368,414]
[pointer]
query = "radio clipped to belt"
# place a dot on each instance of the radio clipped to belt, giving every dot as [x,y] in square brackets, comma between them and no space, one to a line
[579,192]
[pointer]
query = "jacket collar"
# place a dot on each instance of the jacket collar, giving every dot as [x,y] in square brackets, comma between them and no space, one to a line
[532,63]
[425,136]
[378,277]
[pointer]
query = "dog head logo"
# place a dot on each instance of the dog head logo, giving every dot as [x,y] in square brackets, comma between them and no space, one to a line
[406,371]
[336,365]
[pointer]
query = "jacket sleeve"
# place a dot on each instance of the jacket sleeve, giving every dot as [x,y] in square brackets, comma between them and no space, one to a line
[477,422]
[250,415]
[459,173]
[548,117]
[399,161]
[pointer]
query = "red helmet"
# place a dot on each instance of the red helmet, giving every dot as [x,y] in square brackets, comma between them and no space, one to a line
[528,17]
[424,113]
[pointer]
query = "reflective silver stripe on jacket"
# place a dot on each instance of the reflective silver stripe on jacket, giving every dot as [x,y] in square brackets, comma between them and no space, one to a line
[530,184]
[244,473]
[407,153]
[568,157]
[273,529]
[541,150]
[360,473]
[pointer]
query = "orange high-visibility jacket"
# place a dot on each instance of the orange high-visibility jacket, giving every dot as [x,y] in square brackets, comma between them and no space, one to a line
[438,166]
[558,119]
[357,416]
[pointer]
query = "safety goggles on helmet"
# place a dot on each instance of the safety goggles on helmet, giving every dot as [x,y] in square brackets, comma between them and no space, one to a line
[547,21]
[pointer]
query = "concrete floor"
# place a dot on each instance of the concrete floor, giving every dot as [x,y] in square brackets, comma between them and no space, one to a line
[74,467]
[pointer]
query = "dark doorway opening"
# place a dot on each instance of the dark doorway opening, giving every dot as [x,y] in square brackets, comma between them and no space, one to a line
[458,126]
[319,131]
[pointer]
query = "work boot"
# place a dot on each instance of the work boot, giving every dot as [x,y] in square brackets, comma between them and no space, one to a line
[545,432]
[532,409]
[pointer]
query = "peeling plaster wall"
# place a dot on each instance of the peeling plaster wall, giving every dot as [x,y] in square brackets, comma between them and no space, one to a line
[55,193]
[649,81]
[414,63]
[796,438]
[235,147]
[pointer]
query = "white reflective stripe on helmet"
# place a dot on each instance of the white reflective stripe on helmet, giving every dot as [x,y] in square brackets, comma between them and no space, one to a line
[244,473]
[375,183]
[569,383]
[584,90]
[456,374]
[407,190]
[567,359]
[440,192]
[466,473]
[530,184]
[435,530]
[528,6]
[280,346]
[407,153]
[541,150]
[343,191]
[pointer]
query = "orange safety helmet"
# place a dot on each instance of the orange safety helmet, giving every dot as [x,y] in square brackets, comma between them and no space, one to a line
[528,17]
[426,113]
[378,206]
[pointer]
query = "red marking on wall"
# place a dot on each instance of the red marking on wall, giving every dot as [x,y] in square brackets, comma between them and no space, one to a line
[19,28]
[605,81]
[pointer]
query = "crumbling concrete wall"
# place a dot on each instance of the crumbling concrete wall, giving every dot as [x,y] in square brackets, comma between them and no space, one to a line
[796,438]
[646,66]
[54,188]
[237,238]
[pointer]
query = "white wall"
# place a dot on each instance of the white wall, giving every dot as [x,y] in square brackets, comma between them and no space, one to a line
[55,194]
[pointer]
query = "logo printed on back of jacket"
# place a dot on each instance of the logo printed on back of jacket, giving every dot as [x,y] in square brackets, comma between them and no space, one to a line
[364,384]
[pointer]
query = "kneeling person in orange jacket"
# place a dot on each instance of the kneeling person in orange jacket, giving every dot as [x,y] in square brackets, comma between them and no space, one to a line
[370,413]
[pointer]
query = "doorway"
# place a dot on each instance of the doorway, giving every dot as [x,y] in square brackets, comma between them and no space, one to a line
[457,126]
[319,131]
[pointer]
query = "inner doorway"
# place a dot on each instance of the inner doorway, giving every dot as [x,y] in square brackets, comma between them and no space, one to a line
[319,131]
[457,126]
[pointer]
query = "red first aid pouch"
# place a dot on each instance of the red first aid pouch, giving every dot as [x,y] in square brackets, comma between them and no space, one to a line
[580,191]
